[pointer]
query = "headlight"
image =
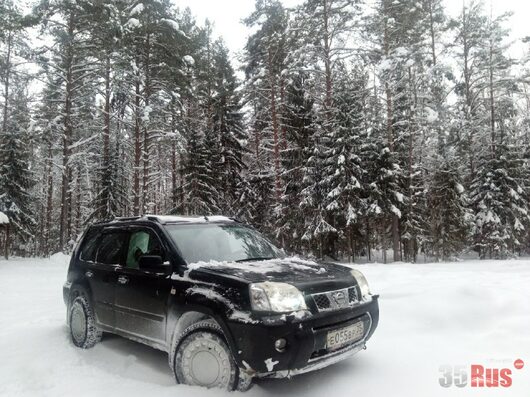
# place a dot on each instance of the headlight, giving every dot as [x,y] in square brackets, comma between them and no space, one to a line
[363,284]
[276,297]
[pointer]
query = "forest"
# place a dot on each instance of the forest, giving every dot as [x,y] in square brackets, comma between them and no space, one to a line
[344,127]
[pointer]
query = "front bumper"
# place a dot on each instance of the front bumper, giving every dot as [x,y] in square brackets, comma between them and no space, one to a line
[320,362]
[306,341]
[67,286]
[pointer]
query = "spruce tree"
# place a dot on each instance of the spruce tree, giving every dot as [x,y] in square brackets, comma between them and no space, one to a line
[448,217]
[16,177]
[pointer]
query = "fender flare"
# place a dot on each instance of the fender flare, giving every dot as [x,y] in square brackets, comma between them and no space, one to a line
[76,289]
[177,323]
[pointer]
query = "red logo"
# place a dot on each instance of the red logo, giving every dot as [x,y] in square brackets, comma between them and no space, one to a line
[480,375]
[490,377]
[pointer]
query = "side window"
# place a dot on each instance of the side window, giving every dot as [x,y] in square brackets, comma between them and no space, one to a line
[89,248]
[111,248]
[142,242]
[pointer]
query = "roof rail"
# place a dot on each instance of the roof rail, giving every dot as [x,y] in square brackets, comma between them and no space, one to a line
[162,219]
[126,218]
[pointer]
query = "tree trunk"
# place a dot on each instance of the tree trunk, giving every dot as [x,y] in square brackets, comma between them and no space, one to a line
[368,247]
[79,197]
[383,241]
[390,139]
[327,59]
[467,83]
[282,114]
[6,248]
[274,116]
[6,81]
[137,148]
[106,185]
[174,173]
[432,33]
[67,142]
[147,140]
[49,201]
[492,101]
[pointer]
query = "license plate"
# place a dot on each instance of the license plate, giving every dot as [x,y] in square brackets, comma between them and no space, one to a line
[344,336]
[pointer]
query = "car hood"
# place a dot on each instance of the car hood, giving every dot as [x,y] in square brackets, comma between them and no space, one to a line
[293,270]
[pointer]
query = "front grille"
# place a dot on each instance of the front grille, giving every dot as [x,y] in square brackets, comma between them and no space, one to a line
[322,301]
[335,300]
[352,294]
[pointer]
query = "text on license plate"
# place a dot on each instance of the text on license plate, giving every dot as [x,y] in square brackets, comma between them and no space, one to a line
[344,336]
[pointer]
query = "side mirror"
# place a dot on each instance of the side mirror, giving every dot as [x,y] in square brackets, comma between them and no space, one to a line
[154,264]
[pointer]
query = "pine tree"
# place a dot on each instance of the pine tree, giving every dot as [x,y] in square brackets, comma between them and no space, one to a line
[470,36]
[106,34]
[149,27]
[265,57]
[67,60]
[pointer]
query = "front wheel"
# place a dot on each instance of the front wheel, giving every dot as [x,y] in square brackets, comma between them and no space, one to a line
[202,358]
[85,334]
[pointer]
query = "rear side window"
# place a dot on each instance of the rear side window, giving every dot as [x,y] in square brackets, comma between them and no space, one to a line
[89,248]
[110,250]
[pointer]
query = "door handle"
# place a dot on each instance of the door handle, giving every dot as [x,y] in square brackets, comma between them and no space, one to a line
[123,280]
[89,274]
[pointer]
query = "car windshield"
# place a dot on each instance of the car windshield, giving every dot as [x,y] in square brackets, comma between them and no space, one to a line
[221,242]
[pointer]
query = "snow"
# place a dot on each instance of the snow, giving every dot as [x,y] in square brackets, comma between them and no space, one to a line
[213,295]
[262,267]
[146,114]
[401,52]
[192,219]
[3,218]
[431,115]
[458,313]
[173,24]
[137,9]
[189,60]
[133,23]
[270,364]
[385,65]
[395,210]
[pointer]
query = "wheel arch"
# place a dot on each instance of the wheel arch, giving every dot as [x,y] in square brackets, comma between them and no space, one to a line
[78,287]
[179,321]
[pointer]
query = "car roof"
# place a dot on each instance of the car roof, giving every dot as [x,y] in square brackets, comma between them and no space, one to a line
[169,219]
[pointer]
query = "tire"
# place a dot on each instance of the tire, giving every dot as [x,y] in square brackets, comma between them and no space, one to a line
[201,357]
[83,330]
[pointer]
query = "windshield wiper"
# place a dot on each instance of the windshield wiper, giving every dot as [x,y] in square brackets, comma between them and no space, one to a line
[258,258]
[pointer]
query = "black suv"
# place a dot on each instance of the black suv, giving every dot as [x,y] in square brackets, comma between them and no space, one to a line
[218,297]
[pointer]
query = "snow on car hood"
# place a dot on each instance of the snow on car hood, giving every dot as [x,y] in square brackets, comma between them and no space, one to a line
[289,269]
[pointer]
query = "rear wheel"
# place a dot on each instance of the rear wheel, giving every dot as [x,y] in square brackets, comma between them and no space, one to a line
[201,357]
[83,330]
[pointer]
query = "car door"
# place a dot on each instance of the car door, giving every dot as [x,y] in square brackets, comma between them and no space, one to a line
[103,256]
[141,296]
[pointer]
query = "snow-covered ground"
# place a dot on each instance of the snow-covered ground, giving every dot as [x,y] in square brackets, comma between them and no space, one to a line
[473,312]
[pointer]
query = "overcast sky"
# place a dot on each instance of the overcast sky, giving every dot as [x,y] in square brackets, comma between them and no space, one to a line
[227,15]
